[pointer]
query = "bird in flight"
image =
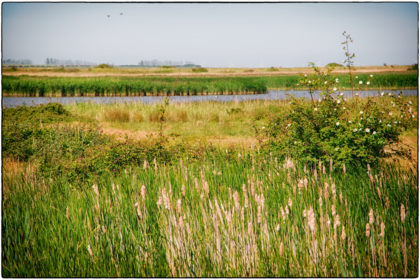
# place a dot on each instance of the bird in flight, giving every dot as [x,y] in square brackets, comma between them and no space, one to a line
[108,16]
[121,14]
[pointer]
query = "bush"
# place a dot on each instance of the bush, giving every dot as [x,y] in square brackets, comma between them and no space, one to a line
[104,66]
[199,70]
[334,64]
[414,67]
[347,131]
[351,131]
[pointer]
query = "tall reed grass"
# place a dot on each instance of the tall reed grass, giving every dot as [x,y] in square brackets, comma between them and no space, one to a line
[187,86]
[229,215]
[128,86]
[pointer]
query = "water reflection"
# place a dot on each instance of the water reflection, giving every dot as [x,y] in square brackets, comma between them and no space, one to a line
[271,95]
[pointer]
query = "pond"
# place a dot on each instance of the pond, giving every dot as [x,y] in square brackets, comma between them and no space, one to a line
[270,95]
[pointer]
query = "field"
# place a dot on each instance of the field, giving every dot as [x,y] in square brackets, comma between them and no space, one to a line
[174,71]
[152,82]
[205,190]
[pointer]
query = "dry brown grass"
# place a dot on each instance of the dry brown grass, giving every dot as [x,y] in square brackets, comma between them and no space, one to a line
[187,72]
[116,115]
[408,145]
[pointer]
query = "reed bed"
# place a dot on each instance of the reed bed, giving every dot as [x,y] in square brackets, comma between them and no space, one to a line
[231,214]
[186,86]
[128,86]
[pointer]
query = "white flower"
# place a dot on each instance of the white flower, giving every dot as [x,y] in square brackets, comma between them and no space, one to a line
[350,121]
[288,125]
[380,121]
[357,77]
[367,130]
[337,123]
[360,82]
[344,108]
[355,130]
[357,94]
[410,102]
[305,75]
[368,83]
[374,132]
[388,125]
[338,101]
[335,89]
[390,113]
[315,109]
[325,82]
[309,81]
[395,122]
[263,127]
[412,116]
[341,94]
[389,94]
[361,112]
[336,80]
[371,75]
[382,93]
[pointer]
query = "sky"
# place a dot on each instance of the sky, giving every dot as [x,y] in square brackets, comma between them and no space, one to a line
[212,35]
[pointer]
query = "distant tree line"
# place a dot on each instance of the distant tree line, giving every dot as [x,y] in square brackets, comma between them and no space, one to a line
[158,63]
[17,61]
[67,62]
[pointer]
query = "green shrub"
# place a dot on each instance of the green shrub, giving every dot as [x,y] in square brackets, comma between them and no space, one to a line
[199,70]
[334,64]
[414,67]
[104,66]
[348,131]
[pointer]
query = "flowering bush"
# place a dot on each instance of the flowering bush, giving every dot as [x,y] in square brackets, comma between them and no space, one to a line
[348,131]
[352,130]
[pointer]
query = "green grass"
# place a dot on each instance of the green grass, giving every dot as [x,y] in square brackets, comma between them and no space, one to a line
[188,86]
[129,86]
[74,204]
[219,227]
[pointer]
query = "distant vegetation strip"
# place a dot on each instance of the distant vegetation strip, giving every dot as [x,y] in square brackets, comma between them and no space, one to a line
[187,86]
[129,86]
[377,81]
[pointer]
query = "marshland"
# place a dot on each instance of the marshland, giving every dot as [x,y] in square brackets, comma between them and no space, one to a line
[270,172]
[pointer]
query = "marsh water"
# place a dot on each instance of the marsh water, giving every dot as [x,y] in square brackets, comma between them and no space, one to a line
[270,95]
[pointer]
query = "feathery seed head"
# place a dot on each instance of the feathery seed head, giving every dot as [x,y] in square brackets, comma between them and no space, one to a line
[336,221]
[90,250]
[343,233]
[402,213]
[95,189]
[371,218]
[178,206]
[311,219]
[143,191]
[236,199]
[382,234]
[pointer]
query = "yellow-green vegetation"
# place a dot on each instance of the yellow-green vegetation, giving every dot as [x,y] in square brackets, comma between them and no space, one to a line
[186,86]
[40,71]
[79,203]
[307,188]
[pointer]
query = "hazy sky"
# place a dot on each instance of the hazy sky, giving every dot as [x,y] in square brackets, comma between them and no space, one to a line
[230,35]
